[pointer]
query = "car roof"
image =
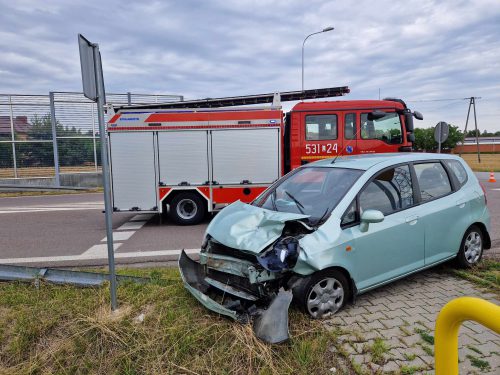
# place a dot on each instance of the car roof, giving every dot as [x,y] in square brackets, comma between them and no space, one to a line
[367,161]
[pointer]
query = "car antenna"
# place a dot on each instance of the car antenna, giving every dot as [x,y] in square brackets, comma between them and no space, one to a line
[348,144]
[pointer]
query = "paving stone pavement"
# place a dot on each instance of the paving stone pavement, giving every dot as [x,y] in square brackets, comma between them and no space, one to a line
[397,321]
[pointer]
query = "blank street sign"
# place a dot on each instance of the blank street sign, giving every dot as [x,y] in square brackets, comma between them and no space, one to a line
[88,67]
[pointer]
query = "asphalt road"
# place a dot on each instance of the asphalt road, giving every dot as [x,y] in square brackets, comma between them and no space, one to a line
[69,230]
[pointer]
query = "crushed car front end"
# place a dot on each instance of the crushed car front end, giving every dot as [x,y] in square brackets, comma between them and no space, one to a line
[247,285]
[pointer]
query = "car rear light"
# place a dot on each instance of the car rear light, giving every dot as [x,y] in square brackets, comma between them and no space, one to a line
[484,191]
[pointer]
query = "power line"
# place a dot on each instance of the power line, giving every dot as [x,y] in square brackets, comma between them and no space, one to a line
[440,100]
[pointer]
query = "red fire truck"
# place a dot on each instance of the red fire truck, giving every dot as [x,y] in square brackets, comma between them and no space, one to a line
[190,158]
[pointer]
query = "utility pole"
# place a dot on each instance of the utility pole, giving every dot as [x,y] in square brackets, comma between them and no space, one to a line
[472,104]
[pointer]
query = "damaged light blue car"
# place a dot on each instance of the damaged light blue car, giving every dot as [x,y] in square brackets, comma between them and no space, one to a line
[333,229]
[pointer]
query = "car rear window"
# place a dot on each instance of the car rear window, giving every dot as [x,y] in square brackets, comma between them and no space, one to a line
[458,170]
[432,180]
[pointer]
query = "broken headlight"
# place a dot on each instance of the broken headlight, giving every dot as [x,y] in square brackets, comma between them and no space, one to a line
[205,241]
[282,256]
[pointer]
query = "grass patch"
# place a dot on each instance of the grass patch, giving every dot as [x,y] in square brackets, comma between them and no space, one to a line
[428,338]
[489,162]
[486,274]
[428,350]
[409,370]
[64,329]
[377,350]
[410,357]
[479,363]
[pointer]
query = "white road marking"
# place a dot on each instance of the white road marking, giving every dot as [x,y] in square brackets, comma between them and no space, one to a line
[132,225]
[15,210]
[142,217]
[97,256]
[496,189]
[97,250]
[120,236]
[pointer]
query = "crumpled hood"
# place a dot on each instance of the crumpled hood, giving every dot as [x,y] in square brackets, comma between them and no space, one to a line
[246,227]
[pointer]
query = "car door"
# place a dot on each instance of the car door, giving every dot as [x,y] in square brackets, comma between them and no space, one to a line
[395,246]
[443,211]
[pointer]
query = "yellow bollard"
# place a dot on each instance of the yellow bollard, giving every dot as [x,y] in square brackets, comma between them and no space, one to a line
[451,316]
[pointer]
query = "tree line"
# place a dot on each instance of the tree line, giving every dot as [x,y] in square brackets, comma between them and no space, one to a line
[72,152]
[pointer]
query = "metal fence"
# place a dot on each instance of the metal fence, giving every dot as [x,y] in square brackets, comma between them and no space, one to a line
[54,139]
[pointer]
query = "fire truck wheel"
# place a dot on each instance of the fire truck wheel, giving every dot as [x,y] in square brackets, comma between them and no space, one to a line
[187,209]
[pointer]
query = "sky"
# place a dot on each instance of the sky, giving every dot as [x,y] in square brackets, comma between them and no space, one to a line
[423,51]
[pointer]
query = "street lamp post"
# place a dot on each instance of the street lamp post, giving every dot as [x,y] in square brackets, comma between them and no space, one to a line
[326,29]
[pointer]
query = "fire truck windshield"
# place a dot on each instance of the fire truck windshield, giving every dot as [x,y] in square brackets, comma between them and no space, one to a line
[313,191]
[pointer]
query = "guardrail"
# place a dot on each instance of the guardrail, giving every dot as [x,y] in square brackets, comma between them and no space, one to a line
[448,323]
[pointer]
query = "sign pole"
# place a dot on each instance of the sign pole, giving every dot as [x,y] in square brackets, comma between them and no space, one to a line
[101,102]
[439,140]
[93,89]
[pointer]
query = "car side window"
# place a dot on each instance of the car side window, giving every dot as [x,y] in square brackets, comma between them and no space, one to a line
[390,191]
[432,180]
[458,170]
[351,215]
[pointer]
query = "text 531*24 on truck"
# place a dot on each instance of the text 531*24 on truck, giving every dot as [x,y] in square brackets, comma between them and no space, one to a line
[193,157]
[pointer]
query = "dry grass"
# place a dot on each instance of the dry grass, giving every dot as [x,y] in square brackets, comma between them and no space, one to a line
[44,171]
[489,162]
[63,329]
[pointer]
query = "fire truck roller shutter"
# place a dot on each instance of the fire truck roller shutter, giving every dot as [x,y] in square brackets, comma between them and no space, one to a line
[133,171]
[183,157]
[246,154]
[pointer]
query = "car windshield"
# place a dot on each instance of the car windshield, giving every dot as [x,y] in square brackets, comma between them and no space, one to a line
[313,191]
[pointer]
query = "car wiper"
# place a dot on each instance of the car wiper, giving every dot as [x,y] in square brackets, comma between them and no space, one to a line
[322,216]
[300,206]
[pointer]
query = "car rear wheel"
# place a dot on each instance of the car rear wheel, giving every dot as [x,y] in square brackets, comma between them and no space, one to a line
[187,209]
[322,294]
[471,248]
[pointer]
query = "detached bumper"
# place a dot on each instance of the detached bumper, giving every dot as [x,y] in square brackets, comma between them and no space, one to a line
[194,281]
[271,322]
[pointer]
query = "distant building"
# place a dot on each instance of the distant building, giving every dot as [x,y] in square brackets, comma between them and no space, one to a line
[486,144]
[21,127]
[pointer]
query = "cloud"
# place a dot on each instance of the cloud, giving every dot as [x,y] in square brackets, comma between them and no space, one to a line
[417,50]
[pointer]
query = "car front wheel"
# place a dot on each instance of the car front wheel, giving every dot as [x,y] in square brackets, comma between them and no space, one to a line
[322,294]
[471,248]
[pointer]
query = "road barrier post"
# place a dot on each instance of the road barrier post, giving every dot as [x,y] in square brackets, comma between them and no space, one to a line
[448,323]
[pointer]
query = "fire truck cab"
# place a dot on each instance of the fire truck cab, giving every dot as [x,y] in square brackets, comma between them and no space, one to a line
[190,158]
[317,130]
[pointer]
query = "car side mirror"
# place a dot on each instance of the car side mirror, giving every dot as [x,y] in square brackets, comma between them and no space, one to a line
[418,115]
[370,216]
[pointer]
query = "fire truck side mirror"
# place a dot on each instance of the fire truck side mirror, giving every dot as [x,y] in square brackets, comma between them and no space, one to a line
[410,137]
[409,121]
[418,115]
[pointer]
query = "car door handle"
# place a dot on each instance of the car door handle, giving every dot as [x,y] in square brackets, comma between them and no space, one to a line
[461,203]
[412,220]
